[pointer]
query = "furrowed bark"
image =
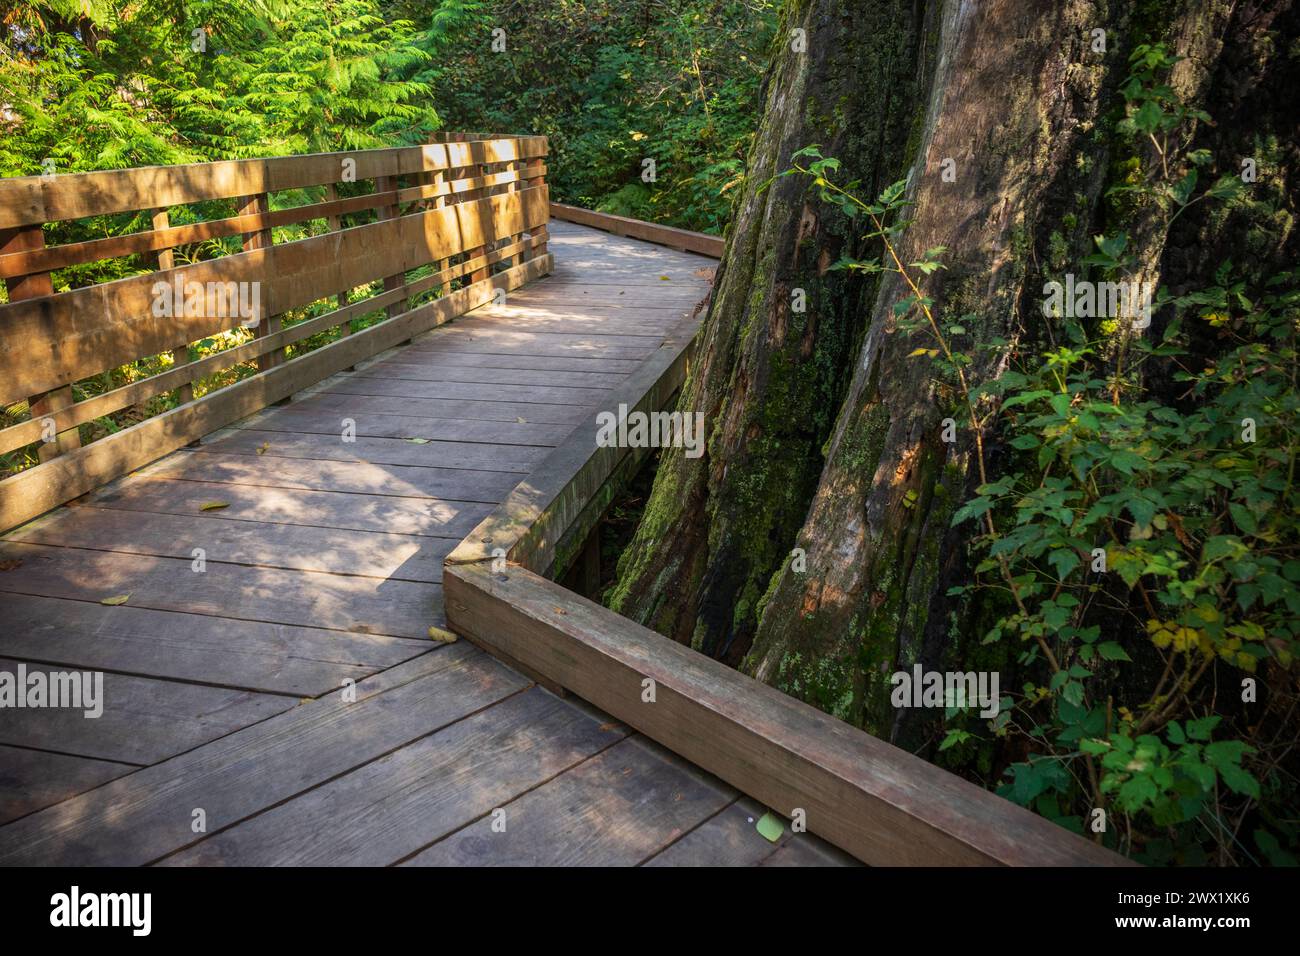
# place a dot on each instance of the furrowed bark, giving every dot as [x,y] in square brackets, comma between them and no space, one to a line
[767,377]
[1022,104]
[1016,96]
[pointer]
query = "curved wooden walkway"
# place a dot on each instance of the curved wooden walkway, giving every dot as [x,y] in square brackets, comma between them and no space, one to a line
[284,565]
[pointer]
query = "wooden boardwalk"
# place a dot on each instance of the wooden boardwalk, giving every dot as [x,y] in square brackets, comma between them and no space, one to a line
[301,550]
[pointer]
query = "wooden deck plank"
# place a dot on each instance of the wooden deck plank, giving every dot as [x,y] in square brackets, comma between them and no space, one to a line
[731,838]
[550,346]
[434,371]
[357,404]
[615,809]
[456,484]
[511,331]
[144,816]
[319,421]
[303,598]
[389,809]
[275,658]
[286,546]
[579,319]
[143,720]
[537,363]
[335,510]
[269,449]
[803,849]
[406,388]
[31,780]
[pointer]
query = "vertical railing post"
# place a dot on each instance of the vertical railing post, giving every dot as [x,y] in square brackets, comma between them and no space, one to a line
[180,354]
[480,170]
[536,176]
[29,239]
[261,239]
[385,184]
[334,222]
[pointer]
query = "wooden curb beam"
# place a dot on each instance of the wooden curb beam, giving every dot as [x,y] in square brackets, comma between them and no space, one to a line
[683,239]
[868,797]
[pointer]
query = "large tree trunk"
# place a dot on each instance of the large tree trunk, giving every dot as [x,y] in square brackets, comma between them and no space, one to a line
[1020,101]
[1015,92]
[769,378]
[1016,95]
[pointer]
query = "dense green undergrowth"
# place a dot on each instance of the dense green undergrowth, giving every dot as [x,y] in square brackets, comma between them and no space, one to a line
[1139,550]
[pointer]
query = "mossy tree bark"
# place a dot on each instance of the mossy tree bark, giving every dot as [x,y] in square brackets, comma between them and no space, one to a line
[1017,92]
[768,377]
[1035,116]
[1018,97]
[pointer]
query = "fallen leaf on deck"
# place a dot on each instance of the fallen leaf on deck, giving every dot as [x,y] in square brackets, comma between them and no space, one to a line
[665,279]
[214,505]
[418,441]
[771,827]
[438,634]
[522,421]
[559,610]
[261,449]
[115,600]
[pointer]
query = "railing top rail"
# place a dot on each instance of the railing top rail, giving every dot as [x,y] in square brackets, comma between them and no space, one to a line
[32,200]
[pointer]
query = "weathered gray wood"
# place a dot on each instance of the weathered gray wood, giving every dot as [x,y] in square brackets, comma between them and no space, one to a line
[731,838]
[457,484]
[270,448]
[806,850]
[567,363]
[287,546]
[306,598]
[273,658]
[387,810]
[576,295]
[31,780]
[143,720]
[580,318]
[866,796]
[307,585]
[616,809]
[537,515]
[146,815]
[433,371]
[336,510]
[554,346]
[319,421]
[413,388]
[355,406]
[484,338]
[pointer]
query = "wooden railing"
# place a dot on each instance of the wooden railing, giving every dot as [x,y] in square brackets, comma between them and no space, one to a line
[469,215]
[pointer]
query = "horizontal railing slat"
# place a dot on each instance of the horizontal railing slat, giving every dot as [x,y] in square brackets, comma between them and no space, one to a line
[32,492]
[458,208]
[79,413]
[56,340]
[40,199]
